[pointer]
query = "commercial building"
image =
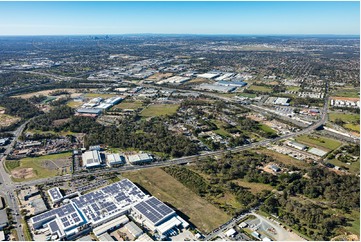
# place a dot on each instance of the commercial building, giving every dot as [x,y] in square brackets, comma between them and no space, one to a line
[176,80]
[105,237]
[208,75]
[111,225]
[216,88]
[157,216]
[91,159]
[144,237]
[95,208]
[55,194]
[235,83]
[139,158]
[133,229]
[296,145]
[113,100]
[93,111]
[317,152]
[115,159]
[282,101]
[104,209]
[231,233]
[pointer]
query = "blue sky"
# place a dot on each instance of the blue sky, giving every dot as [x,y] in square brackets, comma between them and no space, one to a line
[57,18]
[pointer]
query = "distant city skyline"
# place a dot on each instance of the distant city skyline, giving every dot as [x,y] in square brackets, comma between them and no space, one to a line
[242,18]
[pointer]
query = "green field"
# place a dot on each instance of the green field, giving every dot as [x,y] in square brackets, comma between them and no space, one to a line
[253,187]
[347,92]
[159,110]
[201,213]
[295,89]
[102,95]
[74,104]
[352,121]
[249,95]
[129,105]
[353,127]
[346,117]
[38,164]
[263,89]
[319,141]
[353,168]
[267,129]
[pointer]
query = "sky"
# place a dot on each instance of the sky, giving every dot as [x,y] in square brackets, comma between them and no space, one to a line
[249,18]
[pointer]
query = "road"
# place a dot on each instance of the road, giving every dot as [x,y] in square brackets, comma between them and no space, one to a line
[7,186]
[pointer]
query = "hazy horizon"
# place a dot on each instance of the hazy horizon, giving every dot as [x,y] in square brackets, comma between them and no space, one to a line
[179,18]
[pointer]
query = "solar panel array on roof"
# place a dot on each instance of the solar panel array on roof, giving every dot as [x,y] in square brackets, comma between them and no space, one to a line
[55,194]
[109,200]
[96,207]
[154,210]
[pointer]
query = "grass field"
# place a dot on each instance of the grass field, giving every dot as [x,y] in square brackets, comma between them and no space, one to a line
[347,92]
[159,110]
[353,168]
[346,117]
[74,104]
[254,187]
[129,105]
[94,95]
[295,89]
[267,129]
[201,213]
[319,141]
[263,89]
[285,159]
[353,127]
[249,95]
[352,121]
[39,171]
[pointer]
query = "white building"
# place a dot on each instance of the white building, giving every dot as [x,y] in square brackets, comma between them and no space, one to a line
[115,159]
[139,158]
[55,194]
[91,159]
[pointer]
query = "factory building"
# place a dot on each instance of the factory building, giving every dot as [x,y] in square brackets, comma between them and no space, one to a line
[157,216]
[235,83]
[296,145]
[92,111]
[91,159]
[217,88]
[104,210]
[139,158]
[317,152]
[115,159]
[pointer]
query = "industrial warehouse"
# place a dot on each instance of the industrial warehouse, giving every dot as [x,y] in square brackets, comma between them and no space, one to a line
[93,158]
[105,209]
